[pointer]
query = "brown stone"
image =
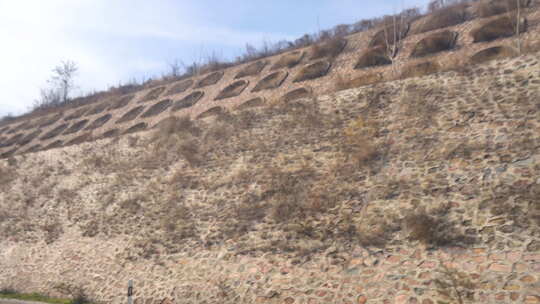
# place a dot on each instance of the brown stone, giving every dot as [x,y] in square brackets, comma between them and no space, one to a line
[500,296]
[361,299]
[288,300]
[512,287]
[514,296]
[500,267]
[528,279]
[427,301]
[532,299]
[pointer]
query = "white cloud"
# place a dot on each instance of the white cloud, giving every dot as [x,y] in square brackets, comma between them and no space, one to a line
[108,40]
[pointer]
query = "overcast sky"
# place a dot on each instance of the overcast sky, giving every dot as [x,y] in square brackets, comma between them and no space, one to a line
[113,41]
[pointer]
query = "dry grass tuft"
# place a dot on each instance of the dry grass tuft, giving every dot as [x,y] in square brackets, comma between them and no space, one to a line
[488,8]
[441,41]
[373,57]
[434,228]
[445,17]
[330,48]
[498,28]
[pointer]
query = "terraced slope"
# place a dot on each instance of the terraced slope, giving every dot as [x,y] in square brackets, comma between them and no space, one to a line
[357,60]
[388,193]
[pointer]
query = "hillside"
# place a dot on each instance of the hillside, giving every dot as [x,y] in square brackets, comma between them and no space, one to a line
[449,39]
[388,193]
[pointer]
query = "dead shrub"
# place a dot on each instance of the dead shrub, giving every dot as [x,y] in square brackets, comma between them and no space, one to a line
[455,285]
[330,48]
[373,57]
[8,174]
[493,53]
[441,41]
[343,83]
[358,143]
[434,228]
[445,17]
[488,8]
[499,28]
[177,136]
[53,230]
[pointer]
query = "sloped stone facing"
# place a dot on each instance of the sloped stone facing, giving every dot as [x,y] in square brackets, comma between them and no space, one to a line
[504,261]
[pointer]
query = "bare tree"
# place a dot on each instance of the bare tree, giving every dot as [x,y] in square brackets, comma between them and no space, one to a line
[63,78]
[393,37]
[175,67]
[60,85]
[518,21]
